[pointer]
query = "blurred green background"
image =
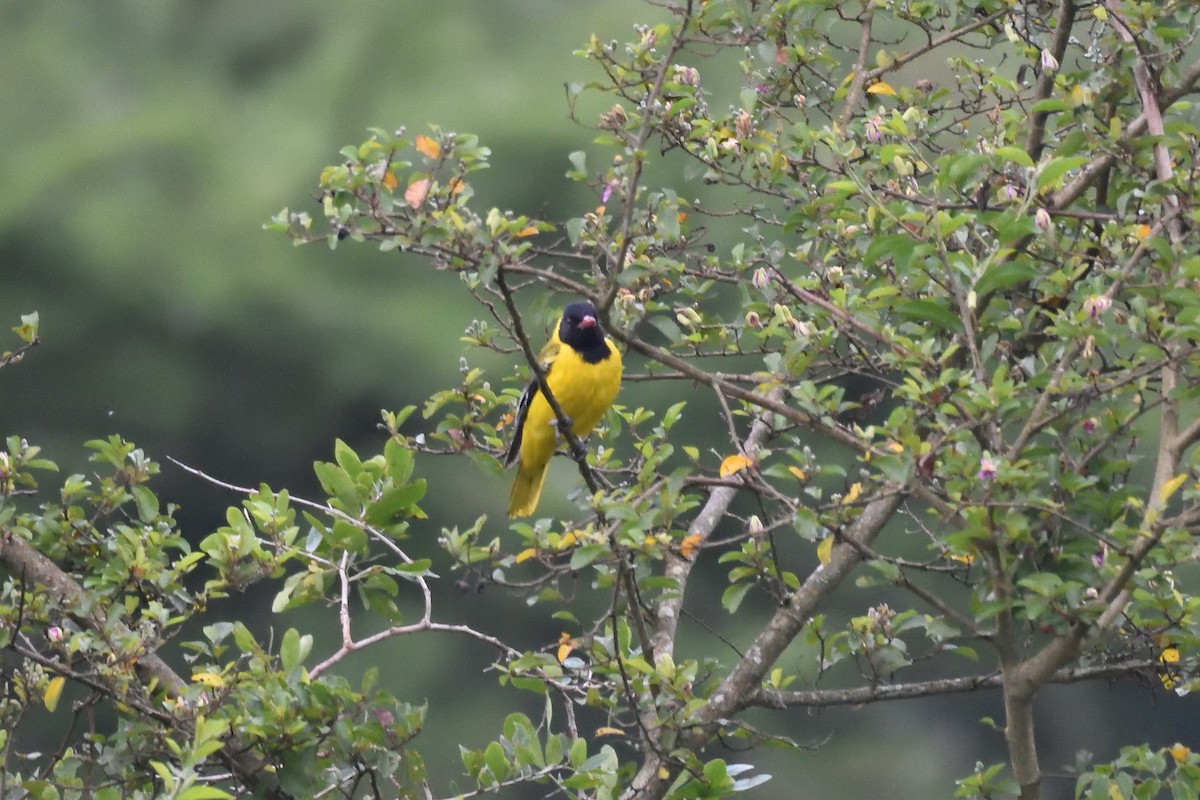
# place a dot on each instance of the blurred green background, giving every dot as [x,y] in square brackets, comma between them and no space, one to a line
[144,144]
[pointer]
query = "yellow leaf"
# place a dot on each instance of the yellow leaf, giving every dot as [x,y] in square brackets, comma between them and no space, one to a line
[1115,793]
[1179,752]
[428,146]
[565,645]
[54,690]
[414,195]
[211,679]
[1143,231]
[880,88]
[389,181]
[607,731]
[965,558]
[528,230]
[895,447]
[800,474]
[689,544]
[526,554]
[456,185]
[825,550]
[734,464]
[853,494]
[1171,487]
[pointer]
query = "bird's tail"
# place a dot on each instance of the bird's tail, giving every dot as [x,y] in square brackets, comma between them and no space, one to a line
[526,489]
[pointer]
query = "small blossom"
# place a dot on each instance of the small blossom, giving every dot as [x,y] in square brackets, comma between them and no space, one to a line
[1042,219]
[687,76]
[1100,555]
[762,88]
[609,188]
[614,118]
[1090,424]
[987,468]
[744,125]
[54,634]
[1096,305]
[753,319]
[755,526]
[1049,62]
[799,100]
[874,133]
[1010,192]
[760,279]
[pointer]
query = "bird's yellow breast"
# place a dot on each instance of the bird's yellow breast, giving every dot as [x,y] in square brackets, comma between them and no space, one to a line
[584,392]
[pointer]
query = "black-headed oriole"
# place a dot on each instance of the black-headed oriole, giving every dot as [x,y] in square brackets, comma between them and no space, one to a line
[583,371]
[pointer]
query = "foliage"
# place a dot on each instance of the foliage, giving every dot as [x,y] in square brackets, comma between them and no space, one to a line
[946,311]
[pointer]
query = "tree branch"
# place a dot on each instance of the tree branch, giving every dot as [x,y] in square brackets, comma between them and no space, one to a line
[824,698]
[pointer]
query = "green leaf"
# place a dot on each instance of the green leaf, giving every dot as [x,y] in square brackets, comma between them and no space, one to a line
[147,503]
[1003,275]
[338,484]
[294,649]
[732,597]
[399,461]
[204,792]
[1015,155]
[927,311]
[393,502]
[494,758]
[347,459]
[1052,172]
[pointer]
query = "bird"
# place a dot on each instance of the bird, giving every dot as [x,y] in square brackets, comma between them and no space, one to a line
[582,367]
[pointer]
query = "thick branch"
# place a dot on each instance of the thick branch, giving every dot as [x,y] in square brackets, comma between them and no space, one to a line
[822,698]
[679,568]
[1045,85]
[735,692]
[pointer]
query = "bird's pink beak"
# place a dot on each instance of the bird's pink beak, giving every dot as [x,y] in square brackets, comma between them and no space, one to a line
[587,322]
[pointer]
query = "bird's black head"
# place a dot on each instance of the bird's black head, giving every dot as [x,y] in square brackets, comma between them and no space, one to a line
[580,328]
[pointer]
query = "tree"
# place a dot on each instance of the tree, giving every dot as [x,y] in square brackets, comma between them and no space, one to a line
[945,310]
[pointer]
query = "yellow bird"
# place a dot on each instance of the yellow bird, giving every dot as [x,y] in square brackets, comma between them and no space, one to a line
[583,372]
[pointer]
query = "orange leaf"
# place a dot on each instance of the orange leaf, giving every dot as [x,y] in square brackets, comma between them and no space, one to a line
[456,185]
[565,645]
[428,146]
[880,88]
[414,195]
[800,474]
[681,216]
[1179,753]
[389,181]
[1143,231]
[528,230]
[735,463]
[607,731]
[689,544]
